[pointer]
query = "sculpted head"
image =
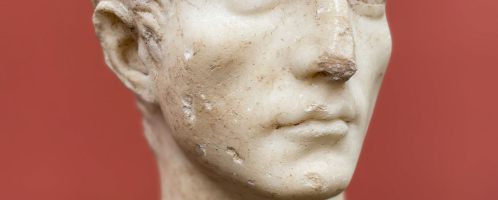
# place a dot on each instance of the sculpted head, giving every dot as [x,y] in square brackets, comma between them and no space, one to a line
[273,95]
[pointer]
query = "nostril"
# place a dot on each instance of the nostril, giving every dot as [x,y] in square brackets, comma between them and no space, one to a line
[337,69]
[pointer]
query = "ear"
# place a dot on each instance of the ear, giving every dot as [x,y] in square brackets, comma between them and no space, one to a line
[130,38]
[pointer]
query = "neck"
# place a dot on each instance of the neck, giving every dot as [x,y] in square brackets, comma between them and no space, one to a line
[180,178]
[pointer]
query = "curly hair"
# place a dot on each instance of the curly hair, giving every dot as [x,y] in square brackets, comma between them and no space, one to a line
[132,2]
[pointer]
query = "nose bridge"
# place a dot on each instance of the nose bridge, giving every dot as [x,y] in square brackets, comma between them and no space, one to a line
[328,51]
[334,20]
[333,7]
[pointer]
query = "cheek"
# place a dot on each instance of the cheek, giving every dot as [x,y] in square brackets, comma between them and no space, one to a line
[204,102]
[373,49]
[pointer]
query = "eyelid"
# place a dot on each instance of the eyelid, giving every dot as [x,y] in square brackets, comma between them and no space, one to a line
[368,8]
[252,6]
[371,2]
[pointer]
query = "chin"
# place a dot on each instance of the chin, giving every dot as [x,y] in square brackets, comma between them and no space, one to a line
[311,185]
[306,193]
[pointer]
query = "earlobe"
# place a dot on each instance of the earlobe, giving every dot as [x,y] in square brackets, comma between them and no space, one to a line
[131,47]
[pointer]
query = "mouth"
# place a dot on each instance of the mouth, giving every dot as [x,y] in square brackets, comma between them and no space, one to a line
[331,123]
[308,130]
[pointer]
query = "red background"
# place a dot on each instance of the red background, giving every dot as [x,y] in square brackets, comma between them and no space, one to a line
[70,130]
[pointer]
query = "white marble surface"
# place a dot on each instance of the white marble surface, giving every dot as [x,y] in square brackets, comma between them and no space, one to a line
[261,99]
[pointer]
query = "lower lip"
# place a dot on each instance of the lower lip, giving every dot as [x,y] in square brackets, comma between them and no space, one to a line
[333,130]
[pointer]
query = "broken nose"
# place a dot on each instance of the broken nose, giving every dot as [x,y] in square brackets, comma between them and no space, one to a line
[340,70]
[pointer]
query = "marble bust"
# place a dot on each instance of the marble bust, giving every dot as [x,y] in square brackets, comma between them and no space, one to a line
[250,99]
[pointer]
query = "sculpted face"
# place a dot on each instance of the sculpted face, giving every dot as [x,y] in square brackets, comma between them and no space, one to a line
[274,95]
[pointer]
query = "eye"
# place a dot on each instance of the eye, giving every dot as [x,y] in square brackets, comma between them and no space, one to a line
[252,6]
[369,8]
